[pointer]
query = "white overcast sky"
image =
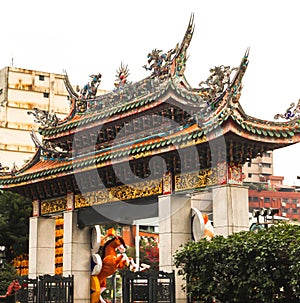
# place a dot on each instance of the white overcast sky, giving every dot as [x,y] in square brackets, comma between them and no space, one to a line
[86,37]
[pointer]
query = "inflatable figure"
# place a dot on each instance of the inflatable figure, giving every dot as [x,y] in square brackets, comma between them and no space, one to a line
[201,225]
[109,262]
[208,228]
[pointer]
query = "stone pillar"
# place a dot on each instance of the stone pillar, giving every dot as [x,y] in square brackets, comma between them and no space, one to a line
[41,246]
[76,256]
[230,209]
[203,201]
[174,229]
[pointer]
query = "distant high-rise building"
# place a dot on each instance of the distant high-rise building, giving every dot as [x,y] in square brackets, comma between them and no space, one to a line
[259,169]
[21,90]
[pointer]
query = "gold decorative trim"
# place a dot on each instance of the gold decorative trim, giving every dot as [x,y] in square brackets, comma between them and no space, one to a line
[124,192]
[139,190]
[54,205]
[93,198]
[203,178]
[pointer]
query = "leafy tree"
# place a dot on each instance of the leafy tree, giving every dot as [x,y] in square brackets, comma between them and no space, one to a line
[15,211]
[260,267]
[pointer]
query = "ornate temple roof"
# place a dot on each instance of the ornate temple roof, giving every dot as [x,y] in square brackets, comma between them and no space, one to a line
[90,137]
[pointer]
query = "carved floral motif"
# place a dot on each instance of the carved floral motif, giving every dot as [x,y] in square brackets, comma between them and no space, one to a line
[193,180]
[54,206]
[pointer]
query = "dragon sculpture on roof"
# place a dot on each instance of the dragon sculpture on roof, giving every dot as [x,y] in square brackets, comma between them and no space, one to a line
[172,63]
[44,117]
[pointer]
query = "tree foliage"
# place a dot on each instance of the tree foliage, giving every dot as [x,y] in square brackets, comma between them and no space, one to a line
[15,211]
[244,267]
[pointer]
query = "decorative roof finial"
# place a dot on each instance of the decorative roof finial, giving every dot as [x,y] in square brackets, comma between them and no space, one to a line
[290,113]
[181,55]
[121,76]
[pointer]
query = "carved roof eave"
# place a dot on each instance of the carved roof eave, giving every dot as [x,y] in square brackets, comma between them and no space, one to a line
[264,133]
[163,143]
[171,92]
[247,121]
[229,106]
[178,84]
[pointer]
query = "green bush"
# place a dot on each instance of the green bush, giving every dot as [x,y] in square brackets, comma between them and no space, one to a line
[244,267]
[7,275]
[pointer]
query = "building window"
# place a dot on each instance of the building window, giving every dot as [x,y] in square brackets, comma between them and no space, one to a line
[285,200]
[46,95]
[285,210]
[294,200]
[249,175]
[266,199]
[295,210]
[267,155]
[249,164]
[268,165]
[255,199]
[41,78]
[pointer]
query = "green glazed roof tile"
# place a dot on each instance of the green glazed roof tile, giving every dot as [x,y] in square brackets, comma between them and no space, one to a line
[264,133]
[284,134]
[248,128]
[277,134]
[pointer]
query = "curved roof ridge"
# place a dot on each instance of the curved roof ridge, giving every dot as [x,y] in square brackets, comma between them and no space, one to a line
[35,159]
[243,117]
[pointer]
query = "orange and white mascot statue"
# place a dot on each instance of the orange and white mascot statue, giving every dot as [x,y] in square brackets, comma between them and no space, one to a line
[109,262]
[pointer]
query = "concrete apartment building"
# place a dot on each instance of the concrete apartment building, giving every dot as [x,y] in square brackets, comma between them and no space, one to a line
[259,169]
[20,91]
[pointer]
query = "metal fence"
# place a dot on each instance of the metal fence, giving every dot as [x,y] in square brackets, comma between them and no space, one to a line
[150,287]
[46,289]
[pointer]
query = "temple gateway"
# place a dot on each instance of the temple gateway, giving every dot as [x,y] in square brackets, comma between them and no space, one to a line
[154,148]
